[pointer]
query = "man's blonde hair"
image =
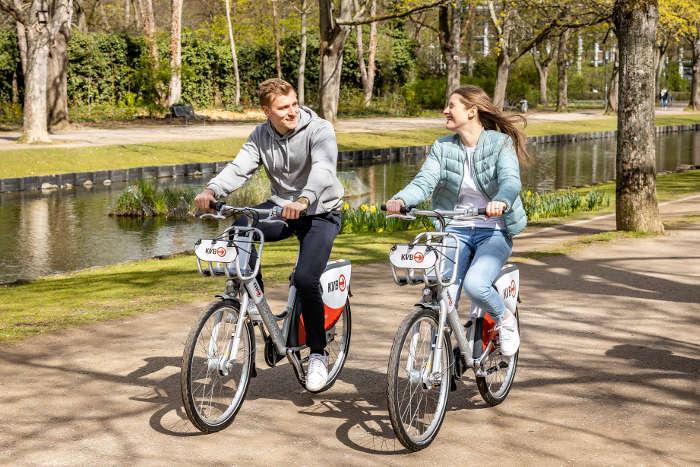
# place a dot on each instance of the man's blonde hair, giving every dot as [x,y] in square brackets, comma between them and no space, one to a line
[268,89]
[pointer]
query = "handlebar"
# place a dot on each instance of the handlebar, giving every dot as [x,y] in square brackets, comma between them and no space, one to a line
[223,211]
[412,211]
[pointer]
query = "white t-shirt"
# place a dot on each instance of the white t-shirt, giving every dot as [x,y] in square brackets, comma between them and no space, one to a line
[471,198]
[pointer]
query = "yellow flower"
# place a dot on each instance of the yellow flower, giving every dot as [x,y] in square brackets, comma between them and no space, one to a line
[346,206]
[363,207]
[373,209]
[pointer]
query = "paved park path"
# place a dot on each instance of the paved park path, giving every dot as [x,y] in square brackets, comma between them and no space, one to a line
[608,374]
[133,133]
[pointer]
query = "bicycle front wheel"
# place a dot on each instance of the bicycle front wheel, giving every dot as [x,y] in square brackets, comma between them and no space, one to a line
[498,372]
[213,386]
[417,395]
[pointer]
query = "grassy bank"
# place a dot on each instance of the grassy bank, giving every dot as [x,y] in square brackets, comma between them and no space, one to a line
[98,294]
[43,161]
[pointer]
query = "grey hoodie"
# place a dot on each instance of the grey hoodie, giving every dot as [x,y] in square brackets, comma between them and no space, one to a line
[300,163]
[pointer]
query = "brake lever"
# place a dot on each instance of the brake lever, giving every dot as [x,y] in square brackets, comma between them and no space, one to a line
[208,215]
[405,217]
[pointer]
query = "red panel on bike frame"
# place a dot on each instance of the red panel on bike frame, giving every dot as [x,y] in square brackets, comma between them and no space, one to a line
[487,331]
[330,315]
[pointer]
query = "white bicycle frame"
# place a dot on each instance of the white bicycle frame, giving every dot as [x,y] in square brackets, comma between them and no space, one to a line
[242,285]
[436,296]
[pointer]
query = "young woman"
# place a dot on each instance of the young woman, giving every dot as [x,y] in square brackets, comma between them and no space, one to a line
[477,167]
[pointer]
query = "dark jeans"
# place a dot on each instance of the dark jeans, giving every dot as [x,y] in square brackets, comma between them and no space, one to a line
[316,235]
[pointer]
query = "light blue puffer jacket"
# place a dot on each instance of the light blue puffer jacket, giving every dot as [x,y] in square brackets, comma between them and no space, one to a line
[495,168]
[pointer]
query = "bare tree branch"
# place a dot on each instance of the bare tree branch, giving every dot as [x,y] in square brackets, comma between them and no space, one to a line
[358,21]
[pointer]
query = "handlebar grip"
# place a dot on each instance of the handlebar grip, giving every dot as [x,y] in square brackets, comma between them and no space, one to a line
[403,210]
[216,205]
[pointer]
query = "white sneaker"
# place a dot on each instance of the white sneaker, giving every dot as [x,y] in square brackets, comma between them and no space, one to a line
[317,376]
[508,335]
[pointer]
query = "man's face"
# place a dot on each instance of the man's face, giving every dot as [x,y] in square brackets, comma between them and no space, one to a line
[283,112]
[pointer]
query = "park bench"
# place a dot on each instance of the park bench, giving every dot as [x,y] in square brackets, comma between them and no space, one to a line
[186,112]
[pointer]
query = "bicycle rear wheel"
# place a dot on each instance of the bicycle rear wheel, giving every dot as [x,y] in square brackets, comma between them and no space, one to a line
[212,390]
[416,402]
[498,372]
[337,347]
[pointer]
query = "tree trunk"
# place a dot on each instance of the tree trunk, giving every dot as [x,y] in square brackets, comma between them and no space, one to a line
[35,129]
[543,74]
[57,84]
[659,56]
[636,205]
[371,56]
[175,88]
[22,45]
[234,55]
[15,87]
[450,24]
[694,103]
[542,61]
[502,72]
[613,95]
[504,29]
[302,53]
[148,21]
[367,70]
[562,75]
[276,36]
[332,40]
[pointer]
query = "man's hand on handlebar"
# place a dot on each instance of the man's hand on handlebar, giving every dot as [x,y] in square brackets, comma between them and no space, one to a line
[204,199]
[295,209]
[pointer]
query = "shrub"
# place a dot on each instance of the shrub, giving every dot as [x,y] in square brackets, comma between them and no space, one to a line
[144,199]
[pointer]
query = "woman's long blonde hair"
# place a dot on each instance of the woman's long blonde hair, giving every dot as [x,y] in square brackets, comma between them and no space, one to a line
[493,119]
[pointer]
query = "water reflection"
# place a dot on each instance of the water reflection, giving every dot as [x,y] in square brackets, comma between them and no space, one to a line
[45,233]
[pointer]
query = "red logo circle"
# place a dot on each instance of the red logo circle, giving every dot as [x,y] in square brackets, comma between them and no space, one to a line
[512,288]
[221,251]
[418,257]
[341,283]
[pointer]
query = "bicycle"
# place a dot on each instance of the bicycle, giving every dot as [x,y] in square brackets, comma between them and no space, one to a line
[422,370]
[219,355]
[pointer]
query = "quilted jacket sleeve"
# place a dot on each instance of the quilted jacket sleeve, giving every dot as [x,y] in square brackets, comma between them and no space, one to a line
[425,181]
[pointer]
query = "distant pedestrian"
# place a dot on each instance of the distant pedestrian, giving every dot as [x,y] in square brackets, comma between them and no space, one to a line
[664,97]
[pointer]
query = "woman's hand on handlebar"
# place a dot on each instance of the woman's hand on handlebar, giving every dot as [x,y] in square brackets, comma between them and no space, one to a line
[393,206]
[495,208]
[204,199]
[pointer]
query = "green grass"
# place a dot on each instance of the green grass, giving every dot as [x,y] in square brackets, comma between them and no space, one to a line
[98,294]
[46,161]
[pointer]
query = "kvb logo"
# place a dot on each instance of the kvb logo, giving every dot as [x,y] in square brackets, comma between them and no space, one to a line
[338,284]
[510,291]
[221,251]
[418,257]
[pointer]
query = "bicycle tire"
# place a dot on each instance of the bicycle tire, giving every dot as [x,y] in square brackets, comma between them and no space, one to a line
[495,387]
[412,324]
[224,312]
[337,354]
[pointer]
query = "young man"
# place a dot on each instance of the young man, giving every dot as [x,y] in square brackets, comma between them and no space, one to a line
[299,152]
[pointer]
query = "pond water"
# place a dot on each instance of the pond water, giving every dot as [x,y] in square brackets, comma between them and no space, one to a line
[47,233]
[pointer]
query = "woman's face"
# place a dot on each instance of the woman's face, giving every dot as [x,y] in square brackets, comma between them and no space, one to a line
[457,113]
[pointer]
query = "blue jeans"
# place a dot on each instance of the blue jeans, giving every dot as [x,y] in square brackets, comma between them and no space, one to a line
[482,253]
